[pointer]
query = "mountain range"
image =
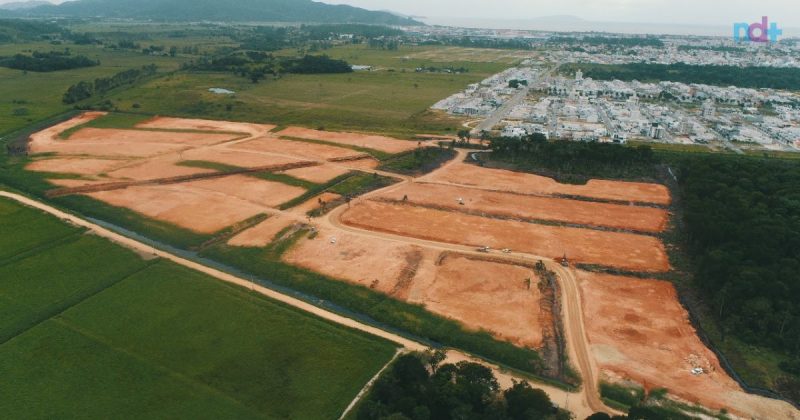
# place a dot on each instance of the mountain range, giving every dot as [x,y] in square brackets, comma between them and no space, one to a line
[215,10]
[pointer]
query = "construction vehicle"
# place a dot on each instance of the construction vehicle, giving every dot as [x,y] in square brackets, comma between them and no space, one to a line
[484,249]
[563,261]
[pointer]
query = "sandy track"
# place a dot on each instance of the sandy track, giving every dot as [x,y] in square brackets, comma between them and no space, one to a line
[620,250]
[643,219]
[582,408]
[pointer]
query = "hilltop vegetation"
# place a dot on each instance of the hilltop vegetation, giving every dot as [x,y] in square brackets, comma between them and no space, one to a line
[213,10]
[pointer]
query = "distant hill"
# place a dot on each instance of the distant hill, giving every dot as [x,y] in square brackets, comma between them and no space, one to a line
[218,10]
[23,5]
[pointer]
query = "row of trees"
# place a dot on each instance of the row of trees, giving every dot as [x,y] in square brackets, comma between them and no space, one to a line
[257,65]
[47,61]
[575,160]
[747,77]
[86,89]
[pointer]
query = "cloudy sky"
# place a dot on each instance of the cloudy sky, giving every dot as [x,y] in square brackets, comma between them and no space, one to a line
[699,12]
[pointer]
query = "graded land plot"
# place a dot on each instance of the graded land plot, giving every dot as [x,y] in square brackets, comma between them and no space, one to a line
[168,123]
[486,295]
[49,136]
[471,55]
[588,246]
[263,233]
[39,286]
[382,143]
[238,158]
[318,174]
[639,331]
[644,219]
[300,149]
[196,209]
[370,262]
[523,183]
[100,135]
[23,229]
[171,342]
[482,295]
[156,168]
[75,166]
[249,189]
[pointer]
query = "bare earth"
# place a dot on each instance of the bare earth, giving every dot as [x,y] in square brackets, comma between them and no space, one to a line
[196,209]
[76,166]
[296,148]
[262,234]
[206,125]
[386,144]
[620,250]
[639,331]
[501,180]
[249,189]
[318,174]
[645,219]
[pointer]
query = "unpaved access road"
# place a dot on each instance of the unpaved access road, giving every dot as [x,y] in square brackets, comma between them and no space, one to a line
[582,404]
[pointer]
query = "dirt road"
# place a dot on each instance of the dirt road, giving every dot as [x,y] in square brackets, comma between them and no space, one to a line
[582,408]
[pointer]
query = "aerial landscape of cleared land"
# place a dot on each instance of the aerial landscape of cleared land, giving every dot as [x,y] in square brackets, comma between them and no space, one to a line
[281,223]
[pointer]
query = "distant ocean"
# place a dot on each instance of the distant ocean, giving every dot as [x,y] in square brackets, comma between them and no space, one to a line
[577,25]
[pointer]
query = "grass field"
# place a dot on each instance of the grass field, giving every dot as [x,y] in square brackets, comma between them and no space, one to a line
[107,334]
[20,105]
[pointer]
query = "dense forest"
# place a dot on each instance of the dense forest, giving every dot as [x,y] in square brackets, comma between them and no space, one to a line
[17,30]
[574,162]
[747,77]
[743,219]
[480,42]
[47,61]
[86,89]
[418,387]
[257,65]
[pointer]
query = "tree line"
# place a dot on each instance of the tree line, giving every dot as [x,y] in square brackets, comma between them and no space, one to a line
[746,77]
[257,65]
[86,89]
[47,61]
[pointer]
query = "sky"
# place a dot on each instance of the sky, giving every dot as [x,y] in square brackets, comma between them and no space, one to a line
[694,12]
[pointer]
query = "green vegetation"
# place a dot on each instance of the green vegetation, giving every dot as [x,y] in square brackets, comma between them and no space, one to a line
[47,61]
[23,230]
[266,263]
[99,332]
[419,161]
[418,387]
[353,183]
[622,396]
[84,90]
[268,176]
[573,162]
[746,77]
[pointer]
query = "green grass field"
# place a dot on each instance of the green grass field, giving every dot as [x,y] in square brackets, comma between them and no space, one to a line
[106,334]
[21,105]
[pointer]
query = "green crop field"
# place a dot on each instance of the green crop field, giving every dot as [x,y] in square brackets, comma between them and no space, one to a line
[89,329]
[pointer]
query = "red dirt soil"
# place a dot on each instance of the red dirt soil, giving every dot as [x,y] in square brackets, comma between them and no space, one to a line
[318,174]
[76,166]
[385,144]
[639,330]
[206,125]
[156,168]
[262,234]
[196,209]
[501,180]
[313,203]
[620,250]
[101,135]
[487,295]
[250,189]
[238,158]
[295,148]
[42,140]
[644,219]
